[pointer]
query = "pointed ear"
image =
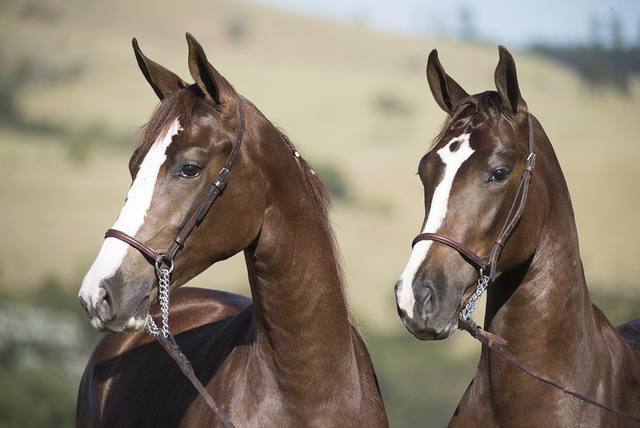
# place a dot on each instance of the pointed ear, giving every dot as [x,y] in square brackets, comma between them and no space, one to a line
[163,82]
[215,88]
[507,82]
[445,90]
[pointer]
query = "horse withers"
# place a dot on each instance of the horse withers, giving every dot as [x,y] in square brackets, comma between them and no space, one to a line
[473,181]
[291,355]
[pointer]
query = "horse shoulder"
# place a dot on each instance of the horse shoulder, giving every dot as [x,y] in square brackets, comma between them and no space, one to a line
[190,308]
[208,305]
[376,415]
[474,408]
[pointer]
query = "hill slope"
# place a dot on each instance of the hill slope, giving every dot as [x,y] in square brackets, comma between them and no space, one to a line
[347,96]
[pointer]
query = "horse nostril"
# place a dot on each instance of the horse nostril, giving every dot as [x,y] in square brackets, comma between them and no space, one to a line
[429,303]
[104,306]
[425,297]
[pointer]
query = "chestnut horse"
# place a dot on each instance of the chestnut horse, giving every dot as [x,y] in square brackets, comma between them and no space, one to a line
[539,301]
[291,355]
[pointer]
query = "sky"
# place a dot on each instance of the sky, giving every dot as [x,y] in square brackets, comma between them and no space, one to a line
[515,23]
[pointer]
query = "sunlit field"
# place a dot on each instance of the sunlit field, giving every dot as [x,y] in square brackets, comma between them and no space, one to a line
[356,104]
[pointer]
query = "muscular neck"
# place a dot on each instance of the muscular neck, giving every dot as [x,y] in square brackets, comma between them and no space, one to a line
[543,310]
[301,318]
[545,301]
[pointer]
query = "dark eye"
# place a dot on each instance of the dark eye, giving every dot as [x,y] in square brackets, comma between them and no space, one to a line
[190,171]
[499,175]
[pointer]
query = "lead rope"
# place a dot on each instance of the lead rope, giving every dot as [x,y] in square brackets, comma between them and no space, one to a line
[498,345]
[168,342]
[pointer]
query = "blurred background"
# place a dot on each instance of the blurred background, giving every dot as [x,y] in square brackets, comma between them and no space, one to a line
[345,79]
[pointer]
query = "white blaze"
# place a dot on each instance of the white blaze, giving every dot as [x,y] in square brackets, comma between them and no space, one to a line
[452,162]
[131,216]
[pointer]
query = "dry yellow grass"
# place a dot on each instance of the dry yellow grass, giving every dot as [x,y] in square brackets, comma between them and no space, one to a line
[320,81]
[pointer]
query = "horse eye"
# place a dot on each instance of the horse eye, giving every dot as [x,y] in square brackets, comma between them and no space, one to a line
[190,171]
[499,175]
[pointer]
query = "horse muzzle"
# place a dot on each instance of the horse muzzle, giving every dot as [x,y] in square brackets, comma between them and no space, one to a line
[115,307]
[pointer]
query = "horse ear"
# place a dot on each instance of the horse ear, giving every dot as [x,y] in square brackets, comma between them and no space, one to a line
[215,88]
[445,90]
[507,82]
[163,82]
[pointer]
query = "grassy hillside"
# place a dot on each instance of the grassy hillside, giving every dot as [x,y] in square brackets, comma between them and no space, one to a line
[356,104]
[350,98]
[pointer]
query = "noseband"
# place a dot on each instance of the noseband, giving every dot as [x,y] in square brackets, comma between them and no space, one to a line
[489,262]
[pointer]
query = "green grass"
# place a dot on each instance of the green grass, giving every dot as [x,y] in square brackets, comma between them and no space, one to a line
[421,382]
[45,342]
[354,100]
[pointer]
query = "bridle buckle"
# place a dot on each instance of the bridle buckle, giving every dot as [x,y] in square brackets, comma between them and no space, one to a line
[164,262]
[531,161]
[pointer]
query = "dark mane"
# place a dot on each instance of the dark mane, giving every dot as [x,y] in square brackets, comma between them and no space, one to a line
[321,195]
[476,110]
[322,201]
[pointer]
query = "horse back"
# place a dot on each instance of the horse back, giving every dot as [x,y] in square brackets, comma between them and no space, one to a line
[630,332]
[195,312]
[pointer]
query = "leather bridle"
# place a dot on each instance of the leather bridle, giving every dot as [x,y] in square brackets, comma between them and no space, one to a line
[488,263]
[217,187]
[163,261]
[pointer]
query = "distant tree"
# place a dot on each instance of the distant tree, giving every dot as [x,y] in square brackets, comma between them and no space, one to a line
[467,27]
[237,29]
[595,30]
[615,31]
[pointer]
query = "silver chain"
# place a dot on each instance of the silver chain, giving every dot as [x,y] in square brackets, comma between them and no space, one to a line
[474,300]
[164,289]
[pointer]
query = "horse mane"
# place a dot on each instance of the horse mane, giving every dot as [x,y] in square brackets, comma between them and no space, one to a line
[323,203]
[321,195]
[475,110]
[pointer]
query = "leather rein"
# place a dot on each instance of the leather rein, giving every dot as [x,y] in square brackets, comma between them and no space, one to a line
[163,262]
[488,264]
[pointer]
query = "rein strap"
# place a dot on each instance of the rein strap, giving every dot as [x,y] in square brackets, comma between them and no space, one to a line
[499,346]
[172,348]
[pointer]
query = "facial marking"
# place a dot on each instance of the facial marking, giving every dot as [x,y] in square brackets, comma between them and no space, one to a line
[453,155]
[131,216]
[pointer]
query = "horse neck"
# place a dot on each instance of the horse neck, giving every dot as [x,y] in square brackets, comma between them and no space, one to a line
[543,308]
[301,317]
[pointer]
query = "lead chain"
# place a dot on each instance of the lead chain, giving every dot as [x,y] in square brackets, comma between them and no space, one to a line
[163,275]
[472,304]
